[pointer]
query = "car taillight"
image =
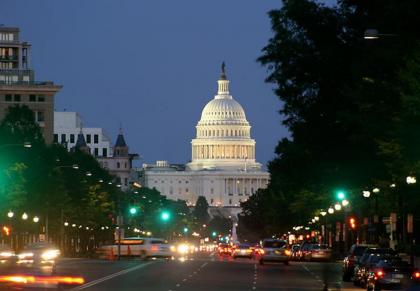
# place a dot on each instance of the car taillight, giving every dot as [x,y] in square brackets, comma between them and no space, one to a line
[379,274]
[416,275]
[287,253]
[155,248]
[262,252]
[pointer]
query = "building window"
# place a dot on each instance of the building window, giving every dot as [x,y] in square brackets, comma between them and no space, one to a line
[186,190]
[96,152]
[32,98]
[88,138]
[55,138]
[41,98]
[186,182]
[118,165]
[211,201]
[71,138]
[8,98]
[211,191]
[104,152]
[230,201]
[95,138]
[63,138]
[126,181]
[125,165]
[17,98]
[40,117]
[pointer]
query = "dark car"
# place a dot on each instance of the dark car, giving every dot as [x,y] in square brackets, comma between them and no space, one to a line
[319,252]
[295,251]
[392,274]
[304,250]
[349,262]
[367,263]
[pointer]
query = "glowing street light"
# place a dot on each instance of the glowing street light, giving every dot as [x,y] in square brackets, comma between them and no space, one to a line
[376,190]
[323,213]
[366,194]
[24,216]
[345,202]
[330,210]
[10,214]
[411,180]
[316,218]
[337,206]
[35,219]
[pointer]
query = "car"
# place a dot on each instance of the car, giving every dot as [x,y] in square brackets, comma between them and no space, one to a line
[367,263]
[242,251]
[393,274]
[304,250]
[7,256]
[274,250]
[143,247]
[349,262]
[318,252]
[38,254]
[224,249]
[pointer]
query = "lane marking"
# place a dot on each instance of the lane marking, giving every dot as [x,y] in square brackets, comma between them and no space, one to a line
[203,265]
[178,285]
[109,277]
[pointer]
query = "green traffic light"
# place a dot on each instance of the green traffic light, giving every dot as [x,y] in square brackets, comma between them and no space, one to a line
[341,195]
[133,210]
[165,215]
[214,233]
[185,229]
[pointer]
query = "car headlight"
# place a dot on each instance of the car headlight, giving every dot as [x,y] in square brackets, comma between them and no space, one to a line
[25,255]
[50,254]
[183,249]
[6,254]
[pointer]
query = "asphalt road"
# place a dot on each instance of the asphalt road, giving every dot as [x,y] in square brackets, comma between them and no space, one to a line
[204,273]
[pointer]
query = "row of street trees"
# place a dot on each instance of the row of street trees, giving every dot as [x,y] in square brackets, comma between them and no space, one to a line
[69,199]
[352,107]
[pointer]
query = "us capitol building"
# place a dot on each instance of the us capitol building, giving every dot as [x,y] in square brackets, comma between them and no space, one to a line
[223,167]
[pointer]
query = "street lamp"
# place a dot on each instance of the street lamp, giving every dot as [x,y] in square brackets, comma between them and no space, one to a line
[316,218]
[411,180]
[376,190]
[10,214]
[330,210]
[24,216]
[35,219]
[337,206]
[323,213]
[345,202]
[366,194]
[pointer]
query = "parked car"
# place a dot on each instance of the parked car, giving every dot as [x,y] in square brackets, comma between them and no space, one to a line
[274,250]
[349,262]
[318,252]
[392,274]
[7,256]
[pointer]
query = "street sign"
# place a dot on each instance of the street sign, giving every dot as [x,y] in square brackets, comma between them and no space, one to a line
[409,223]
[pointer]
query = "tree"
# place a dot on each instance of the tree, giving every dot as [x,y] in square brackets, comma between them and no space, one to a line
[200,211]
[344,100]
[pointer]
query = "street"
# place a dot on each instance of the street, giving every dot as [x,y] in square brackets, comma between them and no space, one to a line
[202,273]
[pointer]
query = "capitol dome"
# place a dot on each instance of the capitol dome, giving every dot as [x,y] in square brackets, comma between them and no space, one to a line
[223,139]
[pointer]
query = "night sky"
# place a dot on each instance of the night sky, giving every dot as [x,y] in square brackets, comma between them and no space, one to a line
[152,65]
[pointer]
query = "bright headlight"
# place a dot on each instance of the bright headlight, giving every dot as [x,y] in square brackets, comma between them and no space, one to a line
[6,254]
[183,249]
[50,254]
[25,255]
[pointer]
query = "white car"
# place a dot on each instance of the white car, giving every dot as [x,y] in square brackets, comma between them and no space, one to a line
[274,250]
[143,247]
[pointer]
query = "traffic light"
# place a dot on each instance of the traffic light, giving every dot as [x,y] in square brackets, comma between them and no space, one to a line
[352,222]
[165,215]
[185,229]
[213,234]
[133,210]
[341,195]
[6,230]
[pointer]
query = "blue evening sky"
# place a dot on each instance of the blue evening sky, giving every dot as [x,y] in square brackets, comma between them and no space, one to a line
[152,65]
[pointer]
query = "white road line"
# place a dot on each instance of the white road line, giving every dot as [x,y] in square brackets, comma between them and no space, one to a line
[106,278]
[203,265]
[178,285]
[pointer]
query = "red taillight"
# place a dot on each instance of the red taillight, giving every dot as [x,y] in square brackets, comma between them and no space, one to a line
[379,274]
[416,275]
[154,248]
[262,252]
